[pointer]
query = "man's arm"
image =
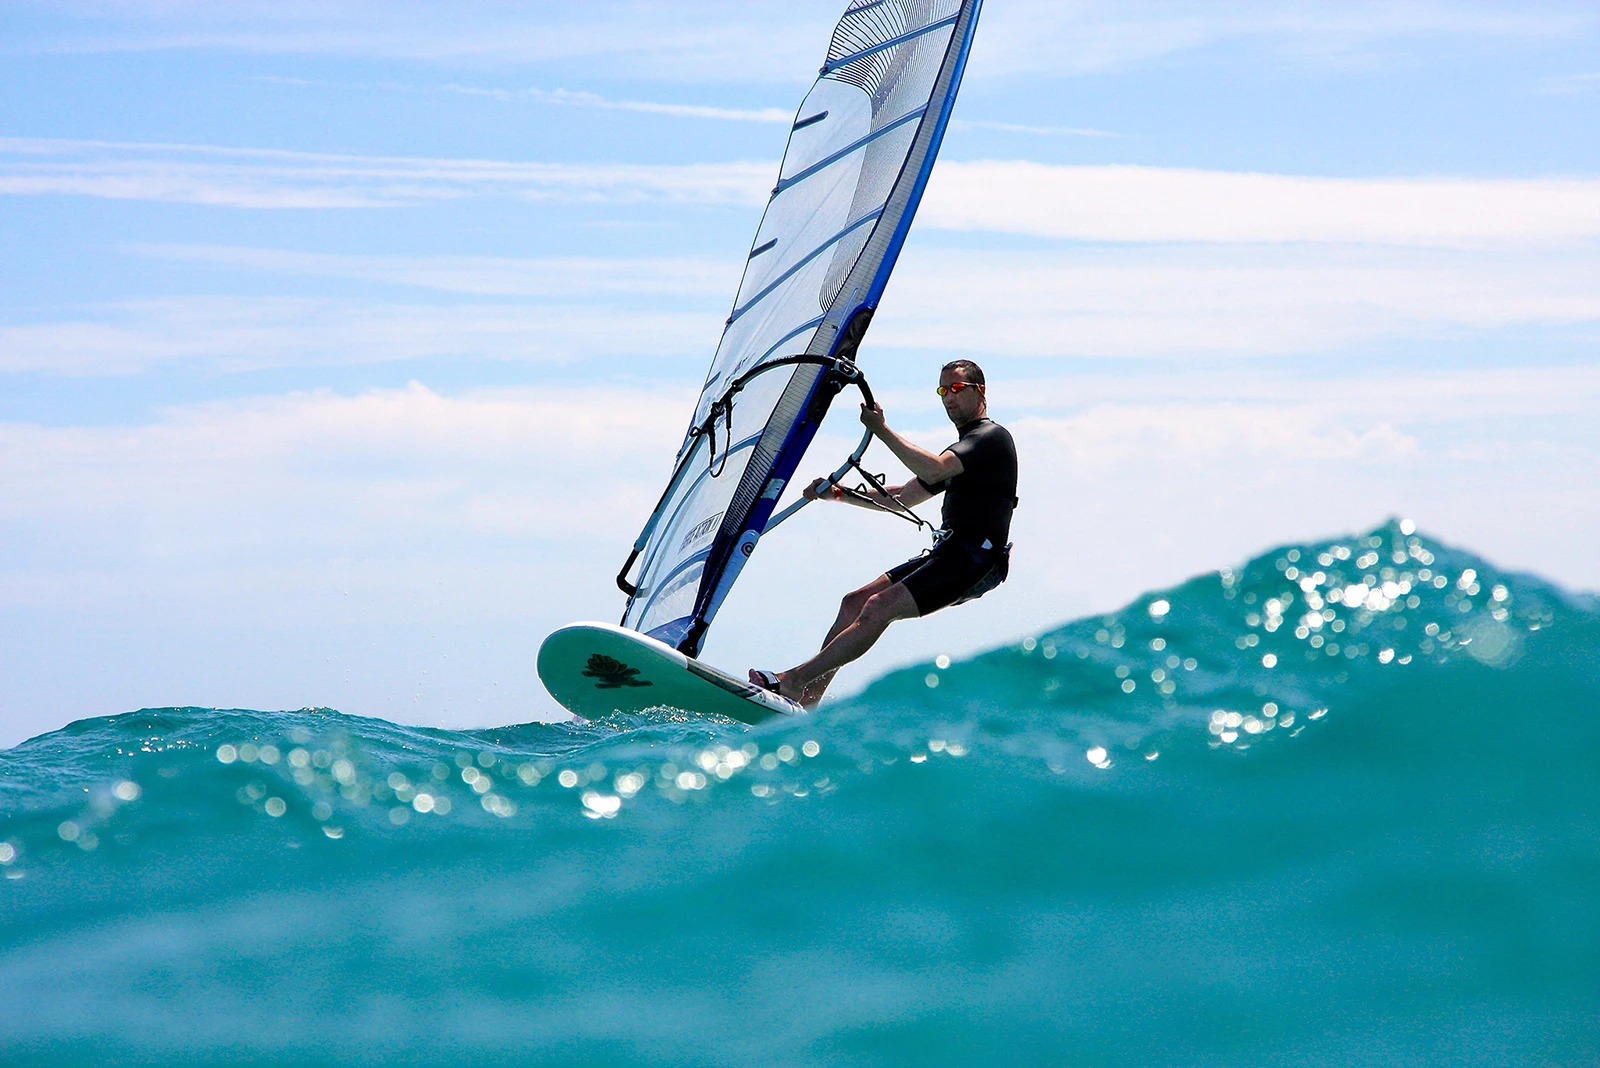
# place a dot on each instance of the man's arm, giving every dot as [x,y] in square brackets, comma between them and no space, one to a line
[909,495]
[929,467]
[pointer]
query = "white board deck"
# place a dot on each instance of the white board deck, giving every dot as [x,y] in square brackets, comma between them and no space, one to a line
[595,669]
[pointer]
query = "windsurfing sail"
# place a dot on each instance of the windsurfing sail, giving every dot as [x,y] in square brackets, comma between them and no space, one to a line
[858,158]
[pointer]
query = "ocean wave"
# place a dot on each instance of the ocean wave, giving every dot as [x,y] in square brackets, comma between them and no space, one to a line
[1330,805]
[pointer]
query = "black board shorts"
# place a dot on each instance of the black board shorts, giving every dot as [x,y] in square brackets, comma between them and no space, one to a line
[950,574]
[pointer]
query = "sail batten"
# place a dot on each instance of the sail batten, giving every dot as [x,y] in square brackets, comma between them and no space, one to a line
[844,61]
[859,154]
[789,272]
[854,146]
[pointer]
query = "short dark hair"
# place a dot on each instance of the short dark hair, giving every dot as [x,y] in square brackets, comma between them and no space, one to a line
[969,370]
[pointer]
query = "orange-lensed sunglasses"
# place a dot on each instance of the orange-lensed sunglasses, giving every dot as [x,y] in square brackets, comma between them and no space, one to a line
[957,387]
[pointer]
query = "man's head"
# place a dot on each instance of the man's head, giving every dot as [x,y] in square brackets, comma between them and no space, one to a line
[962,390]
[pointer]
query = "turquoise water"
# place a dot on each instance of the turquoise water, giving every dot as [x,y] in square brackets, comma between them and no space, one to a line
[1203,830]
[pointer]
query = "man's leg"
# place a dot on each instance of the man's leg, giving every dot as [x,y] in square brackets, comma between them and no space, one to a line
[852,604]
[849,608]
[892,602]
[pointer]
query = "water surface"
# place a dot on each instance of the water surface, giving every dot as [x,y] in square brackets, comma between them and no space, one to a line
[1336,806]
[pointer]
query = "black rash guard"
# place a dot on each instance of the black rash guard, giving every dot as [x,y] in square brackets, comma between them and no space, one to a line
[979,501]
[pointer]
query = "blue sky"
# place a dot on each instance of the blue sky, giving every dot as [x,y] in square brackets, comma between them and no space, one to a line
[344,346]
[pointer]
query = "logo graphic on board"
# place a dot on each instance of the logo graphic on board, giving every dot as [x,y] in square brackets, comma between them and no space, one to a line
[611,674]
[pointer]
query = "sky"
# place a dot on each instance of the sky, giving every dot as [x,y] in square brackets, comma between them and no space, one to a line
[344,347]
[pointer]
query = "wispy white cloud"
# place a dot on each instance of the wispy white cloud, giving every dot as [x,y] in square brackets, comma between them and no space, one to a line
[576,98]
[580,279]
[240,333]
[319,476]
[1248,301]
[1177,475]
[563,97]
[717,40]
[1155,204]
[1138,302]
[1095,203]
[1569,84]
[286,538]
[1046,37]
[523,447]
[277,179]
[702,41]
[1019,128]
[1398,396]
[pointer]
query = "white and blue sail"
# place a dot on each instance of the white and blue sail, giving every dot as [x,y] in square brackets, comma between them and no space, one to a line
[859,155]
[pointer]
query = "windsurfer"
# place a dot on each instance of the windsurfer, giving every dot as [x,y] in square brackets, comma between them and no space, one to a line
[978,477]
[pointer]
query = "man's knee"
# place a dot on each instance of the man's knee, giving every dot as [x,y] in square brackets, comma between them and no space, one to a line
[856,600]
[888,605]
